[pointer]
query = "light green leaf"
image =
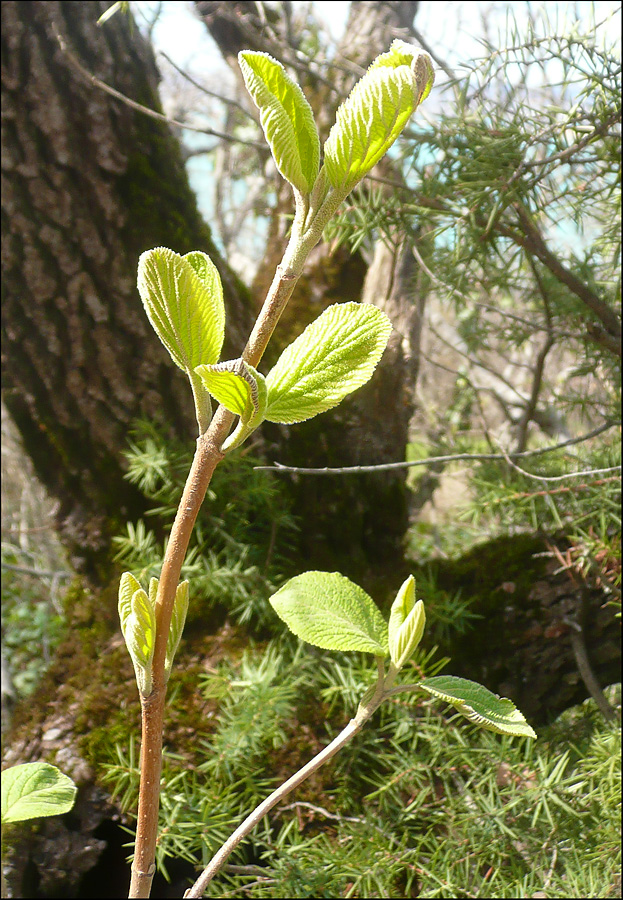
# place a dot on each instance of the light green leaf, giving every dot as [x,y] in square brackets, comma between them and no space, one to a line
[402,54]
[286,116]
[35,789]
[374,114]
[138,625]
[237,386]
[399,54]
[128,586]
[329,611]
[180,608]
[479,705]
[406,624]
[183,298]
[334,356]
[140,630]
[120,5]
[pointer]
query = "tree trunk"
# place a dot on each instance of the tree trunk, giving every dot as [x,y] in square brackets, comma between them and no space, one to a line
[88,184]
[355,522]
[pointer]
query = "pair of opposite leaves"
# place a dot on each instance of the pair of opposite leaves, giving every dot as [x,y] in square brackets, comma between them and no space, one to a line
[366,125]
[330,611]
[334,356]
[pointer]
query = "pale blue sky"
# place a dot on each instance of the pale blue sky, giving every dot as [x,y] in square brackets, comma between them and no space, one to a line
[454,30]
[451,27]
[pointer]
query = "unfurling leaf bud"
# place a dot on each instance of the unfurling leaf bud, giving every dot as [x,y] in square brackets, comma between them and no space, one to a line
[406,624]
[138,624]
[180,608]
[375,113]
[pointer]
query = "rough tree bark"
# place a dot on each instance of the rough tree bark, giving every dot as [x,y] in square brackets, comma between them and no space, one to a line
[88,184]
[358,523]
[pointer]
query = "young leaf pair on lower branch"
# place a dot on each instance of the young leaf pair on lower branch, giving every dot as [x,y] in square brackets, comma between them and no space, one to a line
[326,609]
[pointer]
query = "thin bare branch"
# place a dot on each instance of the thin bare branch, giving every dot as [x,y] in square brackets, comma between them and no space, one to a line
[385,467]
[565,155]
[506,314]
[221,97]
[434,56]
[530,239]
[358,820]
[587,473]
[97,82]
[265,807]
[608,335]
[572,489]
[480,364]
[36,573]
[539,365]
[585,669]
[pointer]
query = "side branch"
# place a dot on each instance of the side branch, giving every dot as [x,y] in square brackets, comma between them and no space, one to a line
[219,859]
[369,703]
[533,241]
[431,460]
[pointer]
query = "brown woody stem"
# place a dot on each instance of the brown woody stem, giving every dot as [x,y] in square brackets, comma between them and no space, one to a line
[207,457]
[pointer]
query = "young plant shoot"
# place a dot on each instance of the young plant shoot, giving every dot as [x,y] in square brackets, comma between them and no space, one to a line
[334,356]
[328,610]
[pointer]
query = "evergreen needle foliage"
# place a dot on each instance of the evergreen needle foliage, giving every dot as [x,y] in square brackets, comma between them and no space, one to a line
[422,805]
[241,539]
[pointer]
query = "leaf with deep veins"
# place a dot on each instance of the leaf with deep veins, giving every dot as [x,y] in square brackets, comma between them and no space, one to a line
[183,298]
[286,116]
[326,609]
[334,356]
[375,113]
[479,705]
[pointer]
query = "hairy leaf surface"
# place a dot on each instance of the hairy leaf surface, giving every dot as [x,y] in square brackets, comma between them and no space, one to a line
[178,619]
[479,705]
[375,113]
[334,356]
[237,386]
[138,625]
[286,116]
[326,609]
[183,298]
[406,624]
